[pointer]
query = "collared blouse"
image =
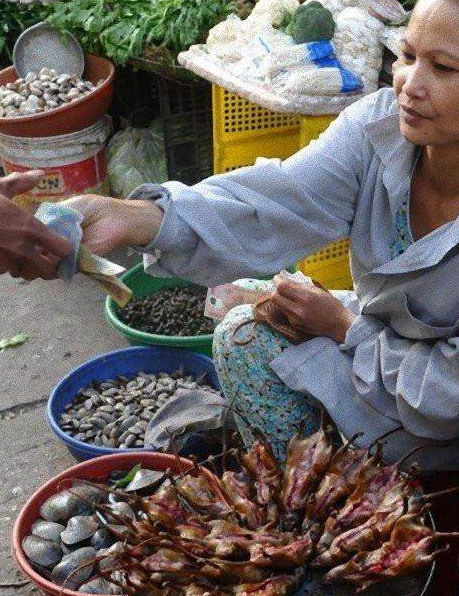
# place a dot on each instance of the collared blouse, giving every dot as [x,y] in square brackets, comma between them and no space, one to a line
[400,360]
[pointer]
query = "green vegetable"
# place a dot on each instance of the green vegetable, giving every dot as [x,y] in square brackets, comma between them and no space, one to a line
[122,29]
[14,19]
[129,477]
[13,342]
[178,24]
[408,4]
[311,22]
[114,28]
[285,22]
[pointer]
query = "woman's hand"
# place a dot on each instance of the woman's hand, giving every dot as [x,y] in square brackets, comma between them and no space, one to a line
[112,223]
[28,249]
[312,310]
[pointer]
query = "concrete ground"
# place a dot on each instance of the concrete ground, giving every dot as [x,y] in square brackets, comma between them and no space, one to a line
[67,326]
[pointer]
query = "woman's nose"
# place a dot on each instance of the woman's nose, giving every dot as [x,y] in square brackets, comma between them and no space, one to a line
[414,84]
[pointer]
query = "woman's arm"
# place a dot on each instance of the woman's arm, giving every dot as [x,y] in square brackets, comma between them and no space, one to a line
[416,382]
[257,220]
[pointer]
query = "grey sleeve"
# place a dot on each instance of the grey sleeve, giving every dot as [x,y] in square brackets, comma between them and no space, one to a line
[260,219]
[416,382]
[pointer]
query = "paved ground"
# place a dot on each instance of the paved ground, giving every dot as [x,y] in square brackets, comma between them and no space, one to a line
[67,326]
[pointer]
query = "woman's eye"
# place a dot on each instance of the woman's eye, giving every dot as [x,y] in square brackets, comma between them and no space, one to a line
[408,57]
[443,67]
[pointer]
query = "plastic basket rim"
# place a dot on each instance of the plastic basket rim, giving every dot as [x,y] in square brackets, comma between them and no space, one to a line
[130,332]
[81,446]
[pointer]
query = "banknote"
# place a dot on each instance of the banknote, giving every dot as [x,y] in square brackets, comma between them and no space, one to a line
[221,299]
[67,222]
[104,272]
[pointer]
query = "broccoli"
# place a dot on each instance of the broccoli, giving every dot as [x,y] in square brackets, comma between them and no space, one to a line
[311,22]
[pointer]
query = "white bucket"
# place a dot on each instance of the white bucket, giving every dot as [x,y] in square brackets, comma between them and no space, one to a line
[74,163]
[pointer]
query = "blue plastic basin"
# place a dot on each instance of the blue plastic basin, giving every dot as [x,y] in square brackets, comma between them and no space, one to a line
[128,362]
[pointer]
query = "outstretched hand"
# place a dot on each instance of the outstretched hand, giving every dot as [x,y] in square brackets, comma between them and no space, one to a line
[112,223]
[28,249]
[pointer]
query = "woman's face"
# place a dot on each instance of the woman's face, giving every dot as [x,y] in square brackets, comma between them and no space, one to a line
[426,76]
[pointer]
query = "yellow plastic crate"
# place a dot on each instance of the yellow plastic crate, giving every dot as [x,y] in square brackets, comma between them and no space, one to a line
[329,266]
[244,131]
[312,126]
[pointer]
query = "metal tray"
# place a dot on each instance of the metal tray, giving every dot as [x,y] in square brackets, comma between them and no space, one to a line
[43,46]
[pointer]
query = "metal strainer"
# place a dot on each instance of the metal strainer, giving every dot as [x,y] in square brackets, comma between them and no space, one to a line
[42,46]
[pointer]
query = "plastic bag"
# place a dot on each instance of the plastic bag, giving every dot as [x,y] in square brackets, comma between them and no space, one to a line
[187,420]
[136,156]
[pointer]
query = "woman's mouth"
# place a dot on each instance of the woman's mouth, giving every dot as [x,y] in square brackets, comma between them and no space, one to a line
[412,117]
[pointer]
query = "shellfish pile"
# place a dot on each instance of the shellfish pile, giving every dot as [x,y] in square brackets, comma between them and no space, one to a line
[116,413]
[244,525]
[40,92]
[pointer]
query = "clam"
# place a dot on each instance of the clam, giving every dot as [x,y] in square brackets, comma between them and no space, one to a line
[73,94]
[121,510]
[43,552]
[99,585]
[79,528]
[47,529]
[109,562]
[63,79]
[89,494]
[77,500]
[103,538]
[75,568]
[7,100]
[36,90]
[59,507]
[55,91]
[144,479]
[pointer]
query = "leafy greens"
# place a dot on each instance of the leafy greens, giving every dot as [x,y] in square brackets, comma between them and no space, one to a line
[122,29]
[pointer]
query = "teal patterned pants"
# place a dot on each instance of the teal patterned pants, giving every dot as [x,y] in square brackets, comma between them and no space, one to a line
[252,388]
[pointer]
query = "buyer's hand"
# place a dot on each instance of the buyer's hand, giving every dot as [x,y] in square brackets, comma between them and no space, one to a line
[112,223]
[312,310]
[28,249]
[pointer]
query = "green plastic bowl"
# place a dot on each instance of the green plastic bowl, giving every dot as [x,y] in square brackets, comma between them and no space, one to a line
[143,285]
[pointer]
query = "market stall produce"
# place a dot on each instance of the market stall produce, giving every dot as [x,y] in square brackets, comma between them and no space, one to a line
[309,58]
[123,30]
[116,412]
[53,103]
[172,311]
[233,530]
[41,92]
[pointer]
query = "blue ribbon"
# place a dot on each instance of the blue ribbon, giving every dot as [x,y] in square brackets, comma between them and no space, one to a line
[322,55]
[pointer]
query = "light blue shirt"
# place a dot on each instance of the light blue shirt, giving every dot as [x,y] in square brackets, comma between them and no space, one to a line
[400,360]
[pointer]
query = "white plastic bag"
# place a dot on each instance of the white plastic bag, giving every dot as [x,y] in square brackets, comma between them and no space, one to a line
[358,46]
[136,156]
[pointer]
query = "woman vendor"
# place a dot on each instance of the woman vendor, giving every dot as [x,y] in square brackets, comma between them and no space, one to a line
[386,174]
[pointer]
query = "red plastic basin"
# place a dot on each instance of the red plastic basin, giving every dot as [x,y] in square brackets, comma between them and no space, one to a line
[93,469]
[75,116]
